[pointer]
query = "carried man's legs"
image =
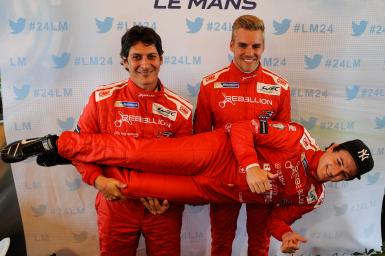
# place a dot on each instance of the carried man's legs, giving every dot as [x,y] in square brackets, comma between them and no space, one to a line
[206,156]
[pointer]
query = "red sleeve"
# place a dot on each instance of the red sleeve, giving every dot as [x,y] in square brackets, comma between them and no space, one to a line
[284,113]
[203,117]
[246,136]
[283,216]
[88,123]
[184,126]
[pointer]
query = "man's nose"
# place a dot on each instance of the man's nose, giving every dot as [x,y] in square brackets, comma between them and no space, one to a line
[145,62]
[335,172]
[249,50]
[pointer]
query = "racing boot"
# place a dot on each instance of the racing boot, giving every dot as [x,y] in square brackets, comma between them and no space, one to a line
[51,159]
[22,149]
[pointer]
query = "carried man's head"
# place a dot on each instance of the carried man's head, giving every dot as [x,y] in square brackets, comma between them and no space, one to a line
[345,161]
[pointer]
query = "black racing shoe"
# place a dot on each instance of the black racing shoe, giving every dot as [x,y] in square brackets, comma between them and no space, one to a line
[51,159]
[22,149]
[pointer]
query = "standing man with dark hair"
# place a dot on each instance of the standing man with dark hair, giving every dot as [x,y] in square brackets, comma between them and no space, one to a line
[141,107]
[241,91]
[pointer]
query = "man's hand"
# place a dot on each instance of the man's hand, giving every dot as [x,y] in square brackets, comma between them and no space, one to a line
[291,242]
[259,180]
[153,205]
[110,187]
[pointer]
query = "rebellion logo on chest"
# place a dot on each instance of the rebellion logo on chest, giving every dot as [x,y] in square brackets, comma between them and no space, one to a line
[233,100]
[130,119]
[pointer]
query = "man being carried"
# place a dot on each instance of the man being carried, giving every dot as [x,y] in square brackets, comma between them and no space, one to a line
[289,168]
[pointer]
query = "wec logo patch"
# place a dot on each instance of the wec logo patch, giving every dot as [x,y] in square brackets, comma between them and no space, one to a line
[163,111]
[270,89]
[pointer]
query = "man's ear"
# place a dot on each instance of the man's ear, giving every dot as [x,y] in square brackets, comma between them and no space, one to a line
[124,63]
[231,45]
[331,147]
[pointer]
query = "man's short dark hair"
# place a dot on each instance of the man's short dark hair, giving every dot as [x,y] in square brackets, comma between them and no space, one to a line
[143,34]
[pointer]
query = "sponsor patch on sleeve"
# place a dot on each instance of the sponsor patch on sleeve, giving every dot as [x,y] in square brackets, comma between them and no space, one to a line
[103,94]
[311,195]
[270,89]
[308,142]
[279,126]
[211,78]
[230,85]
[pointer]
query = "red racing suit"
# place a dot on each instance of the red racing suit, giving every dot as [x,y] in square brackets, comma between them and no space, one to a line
[125,109]
[228,96]
[209,167]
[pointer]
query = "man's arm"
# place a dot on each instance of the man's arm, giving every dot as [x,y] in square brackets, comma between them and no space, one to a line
[92,174]
[183,127]
[248,135]
[245,136]
[283,216]
[203,117]
[279,225]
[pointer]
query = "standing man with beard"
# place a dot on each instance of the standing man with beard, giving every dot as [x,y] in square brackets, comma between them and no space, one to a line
[141,107]
[243,90]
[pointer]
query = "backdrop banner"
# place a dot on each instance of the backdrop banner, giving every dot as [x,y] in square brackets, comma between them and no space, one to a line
[55,52]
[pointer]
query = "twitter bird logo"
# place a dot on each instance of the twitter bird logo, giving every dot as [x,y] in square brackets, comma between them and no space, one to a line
[352,92]
[17,26]
[80,237]
[193,89]
[373,178]
[380,122]
[309,124]
[62,60]
[340,210]
[105,25]
[194,26]
[39,210]
[312,63]
[359,29]
[281,27]
[21,93]
[73,185]
[67,124]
